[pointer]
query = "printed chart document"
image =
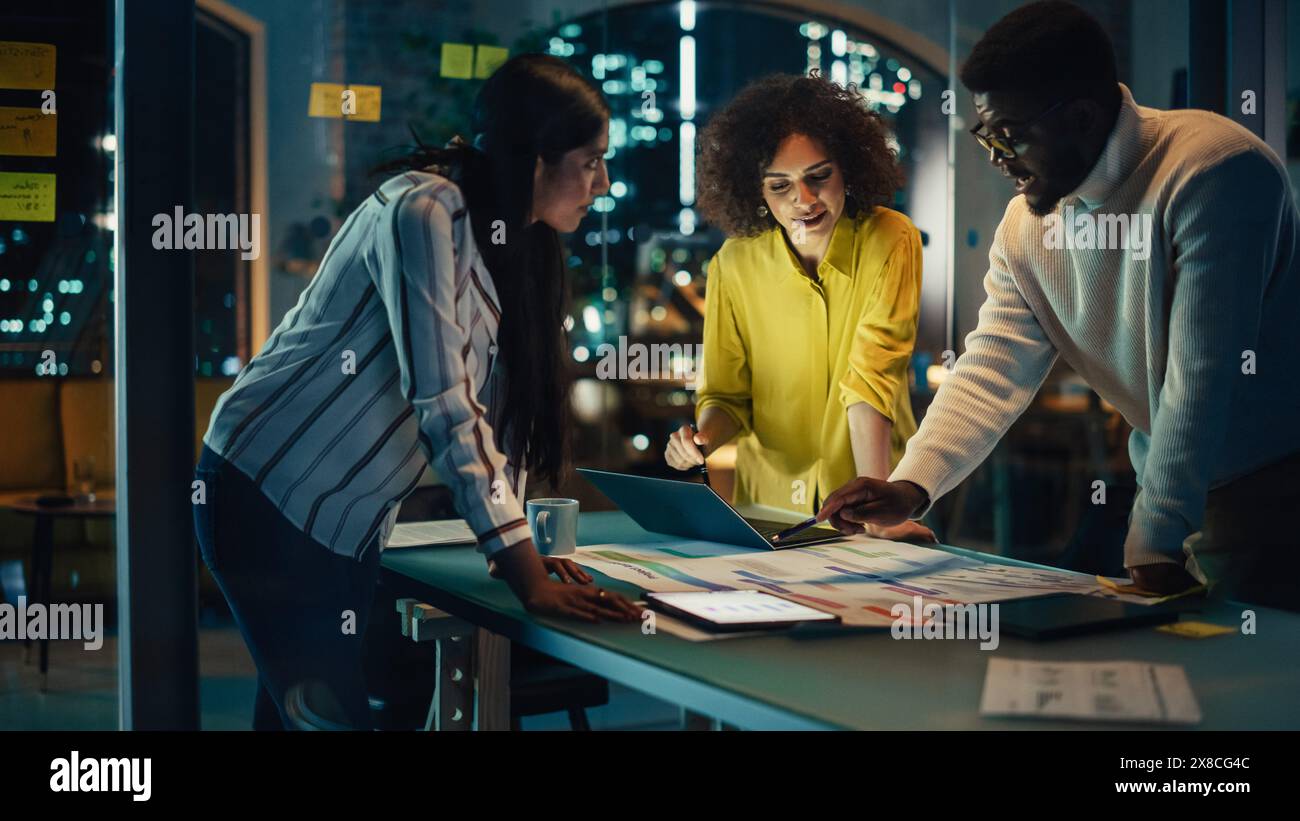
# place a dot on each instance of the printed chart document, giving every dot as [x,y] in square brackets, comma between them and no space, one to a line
[1089,690]
[430,534]
[859,579]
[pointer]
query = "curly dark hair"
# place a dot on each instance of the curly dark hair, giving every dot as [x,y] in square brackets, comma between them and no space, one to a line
[740,141]
[1052,49]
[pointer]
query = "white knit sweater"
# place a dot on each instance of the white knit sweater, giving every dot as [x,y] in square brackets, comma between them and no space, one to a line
[1164,336]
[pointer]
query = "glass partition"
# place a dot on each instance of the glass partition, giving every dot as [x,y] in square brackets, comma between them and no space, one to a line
[57,372]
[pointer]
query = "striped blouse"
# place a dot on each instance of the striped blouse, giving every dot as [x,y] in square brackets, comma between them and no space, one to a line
[384,367]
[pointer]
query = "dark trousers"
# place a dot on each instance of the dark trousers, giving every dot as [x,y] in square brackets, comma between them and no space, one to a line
[301,608]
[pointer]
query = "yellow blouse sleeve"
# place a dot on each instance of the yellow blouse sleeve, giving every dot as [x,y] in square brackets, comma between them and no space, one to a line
[886,333]
[724,379]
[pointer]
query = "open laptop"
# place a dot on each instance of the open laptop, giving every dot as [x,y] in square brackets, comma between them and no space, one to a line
[693,511]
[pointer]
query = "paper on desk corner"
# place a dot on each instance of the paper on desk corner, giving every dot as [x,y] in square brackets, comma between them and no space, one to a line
[439,533]
[1089,691]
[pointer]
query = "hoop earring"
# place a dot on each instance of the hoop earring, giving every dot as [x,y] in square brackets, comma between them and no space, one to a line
[762,210]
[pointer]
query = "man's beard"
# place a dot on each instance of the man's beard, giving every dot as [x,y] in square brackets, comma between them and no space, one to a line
[1074,168]
[1043,206]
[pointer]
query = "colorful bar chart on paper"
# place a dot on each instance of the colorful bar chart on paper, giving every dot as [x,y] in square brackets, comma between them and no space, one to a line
[859,581]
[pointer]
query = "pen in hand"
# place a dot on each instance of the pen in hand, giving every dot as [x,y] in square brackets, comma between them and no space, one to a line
[791,531]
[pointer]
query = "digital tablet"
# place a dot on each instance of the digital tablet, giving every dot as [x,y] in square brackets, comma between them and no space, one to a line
[732,610]
[1067,614]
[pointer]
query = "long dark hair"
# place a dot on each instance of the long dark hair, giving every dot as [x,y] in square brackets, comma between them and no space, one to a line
[533,106]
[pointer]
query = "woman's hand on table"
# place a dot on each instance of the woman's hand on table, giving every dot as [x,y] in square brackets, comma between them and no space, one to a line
[572,596]
[586,603]
[567,570]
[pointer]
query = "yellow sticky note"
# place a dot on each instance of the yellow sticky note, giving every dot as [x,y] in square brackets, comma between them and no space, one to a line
[26,197]
[26,65]
[457,61]
[1196,629]
[325,100]
[365,103]
[488,59]
[26,132]
[352,102]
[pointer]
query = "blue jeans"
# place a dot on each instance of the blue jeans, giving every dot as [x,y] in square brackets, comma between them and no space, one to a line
[301,608]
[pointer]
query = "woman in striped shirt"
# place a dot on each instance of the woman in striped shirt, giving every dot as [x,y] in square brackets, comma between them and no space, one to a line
[430,336]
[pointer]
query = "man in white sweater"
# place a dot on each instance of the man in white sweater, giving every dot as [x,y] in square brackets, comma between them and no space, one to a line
[1156,251]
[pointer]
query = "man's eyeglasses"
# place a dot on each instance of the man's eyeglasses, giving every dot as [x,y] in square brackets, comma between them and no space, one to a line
[1003,146]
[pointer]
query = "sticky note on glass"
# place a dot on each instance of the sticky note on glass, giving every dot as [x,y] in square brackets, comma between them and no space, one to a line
[488,59]
[351,102]
[1196,629]
[26,132]
[362,103]
[26,197]
[26,65]
[457,61]
[326,100]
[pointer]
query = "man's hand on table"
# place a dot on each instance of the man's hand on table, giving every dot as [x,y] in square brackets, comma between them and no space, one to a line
[1165,578]
[908,531]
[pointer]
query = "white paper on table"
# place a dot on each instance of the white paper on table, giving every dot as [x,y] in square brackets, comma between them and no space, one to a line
[1092,691]
[430,534]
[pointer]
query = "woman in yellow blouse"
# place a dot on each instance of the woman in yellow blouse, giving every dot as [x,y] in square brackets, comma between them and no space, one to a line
[811,302]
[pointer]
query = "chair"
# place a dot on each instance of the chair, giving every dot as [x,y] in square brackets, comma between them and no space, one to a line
[540,684]
[311,706]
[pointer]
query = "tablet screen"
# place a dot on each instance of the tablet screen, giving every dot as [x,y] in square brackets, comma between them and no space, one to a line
[740,607]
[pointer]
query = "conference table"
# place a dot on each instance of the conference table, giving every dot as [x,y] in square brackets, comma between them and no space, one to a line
[861,681]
